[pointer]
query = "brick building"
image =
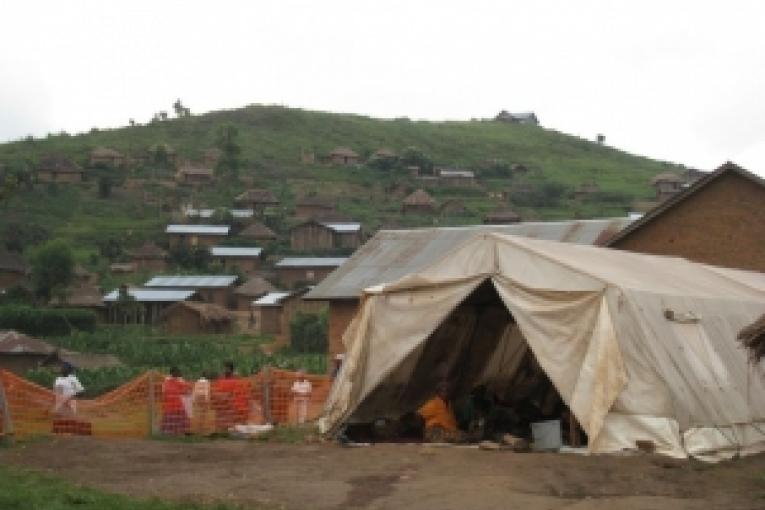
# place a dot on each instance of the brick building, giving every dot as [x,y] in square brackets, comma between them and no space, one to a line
[275,311]
[719,220]
[314,207]
[150,257]
[245,259]
[294,272]
[325,236]
[217,289]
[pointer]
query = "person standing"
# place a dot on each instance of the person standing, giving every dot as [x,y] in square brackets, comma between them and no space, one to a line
[301,395]
[66,387]
[175,415]
[230,399]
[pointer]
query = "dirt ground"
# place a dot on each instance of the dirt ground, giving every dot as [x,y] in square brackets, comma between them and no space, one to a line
[327,476]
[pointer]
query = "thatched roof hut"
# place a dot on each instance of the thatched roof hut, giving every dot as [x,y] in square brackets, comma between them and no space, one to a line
[258,231]
[753,338]
[257,197]
[191,317]
[419,201]
[81,295]
[254,287]
[149,251]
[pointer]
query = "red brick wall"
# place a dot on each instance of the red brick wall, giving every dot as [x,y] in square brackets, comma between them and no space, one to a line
[340,314]
[721,224]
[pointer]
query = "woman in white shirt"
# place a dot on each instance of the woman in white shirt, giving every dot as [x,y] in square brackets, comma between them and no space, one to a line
[301,392]
[66,387]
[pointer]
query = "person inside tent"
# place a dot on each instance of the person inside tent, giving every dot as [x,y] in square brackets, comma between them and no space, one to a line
[176,404]
[438,415]
[229,399]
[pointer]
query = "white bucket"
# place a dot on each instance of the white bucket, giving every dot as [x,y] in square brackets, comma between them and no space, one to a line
[546,435]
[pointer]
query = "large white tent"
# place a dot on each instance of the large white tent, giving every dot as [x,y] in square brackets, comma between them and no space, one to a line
[639,347]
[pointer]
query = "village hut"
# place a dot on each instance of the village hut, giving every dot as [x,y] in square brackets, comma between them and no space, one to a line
[666,185]
[195,175]
[639,348]
[258,232]
[257,199]
[106,156]
[59,169]
[343,156]
[753,338]
[187,317]
[13,270]
[252,289]
[419,202]
[150,257]
[81,295]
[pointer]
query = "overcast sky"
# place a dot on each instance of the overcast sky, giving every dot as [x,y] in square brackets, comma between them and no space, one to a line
[673,80]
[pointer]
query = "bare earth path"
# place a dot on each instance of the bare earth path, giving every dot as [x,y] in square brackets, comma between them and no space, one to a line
[325,476]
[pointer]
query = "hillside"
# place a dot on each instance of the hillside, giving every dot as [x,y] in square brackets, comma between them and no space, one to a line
[272,138]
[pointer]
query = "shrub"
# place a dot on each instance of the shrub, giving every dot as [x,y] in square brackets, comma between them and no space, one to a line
[45,322]
[308,333]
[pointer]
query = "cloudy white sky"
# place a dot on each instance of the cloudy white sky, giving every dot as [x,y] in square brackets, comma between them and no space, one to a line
[682,81]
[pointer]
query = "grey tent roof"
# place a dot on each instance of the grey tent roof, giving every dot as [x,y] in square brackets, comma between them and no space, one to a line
[391,254]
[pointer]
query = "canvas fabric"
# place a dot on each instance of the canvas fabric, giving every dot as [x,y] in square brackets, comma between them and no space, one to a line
[594,319]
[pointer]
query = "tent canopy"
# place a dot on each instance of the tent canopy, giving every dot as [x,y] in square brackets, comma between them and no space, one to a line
[639,347]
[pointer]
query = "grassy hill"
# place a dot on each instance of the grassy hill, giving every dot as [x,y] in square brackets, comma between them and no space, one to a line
[272,139]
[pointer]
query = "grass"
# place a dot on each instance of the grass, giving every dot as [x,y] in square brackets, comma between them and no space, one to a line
[24,490]
[272,138]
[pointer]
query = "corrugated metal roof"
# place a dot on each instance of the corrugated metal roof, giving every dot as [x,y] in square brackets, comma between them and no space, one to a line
[143,295]
[208,213]
[392,254]
[214,230]
[191,282]
[235,251]
[311,262]
[448,172]
[271,299]
[343,227]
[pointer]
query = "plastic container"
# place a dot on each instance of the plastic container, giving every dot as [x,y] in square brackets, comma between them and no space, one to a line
[546,435]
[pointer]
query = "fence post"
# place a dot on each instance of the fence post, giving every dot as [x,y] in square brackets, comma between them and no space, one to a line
[6,409]
[152,405]
[267,394]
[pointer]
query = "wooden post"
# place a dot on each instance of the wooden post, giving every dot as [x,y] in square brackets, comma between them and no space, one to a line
[152,405]
[267,394]
[6,409]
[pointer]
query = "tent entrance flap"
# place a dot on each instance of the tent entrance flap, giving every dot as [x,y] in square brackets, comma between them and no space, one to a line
[480,351]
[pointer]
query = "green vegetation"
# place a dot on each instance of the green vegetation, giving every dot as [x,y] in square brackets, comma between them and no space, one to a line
[262,146]
[24,490]
[141,349]
[52,268]
[308,332]
[44,322]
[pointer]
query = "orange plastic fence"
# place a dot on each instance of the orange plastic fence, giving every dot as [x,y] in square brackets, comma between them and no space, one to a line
[155,403]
